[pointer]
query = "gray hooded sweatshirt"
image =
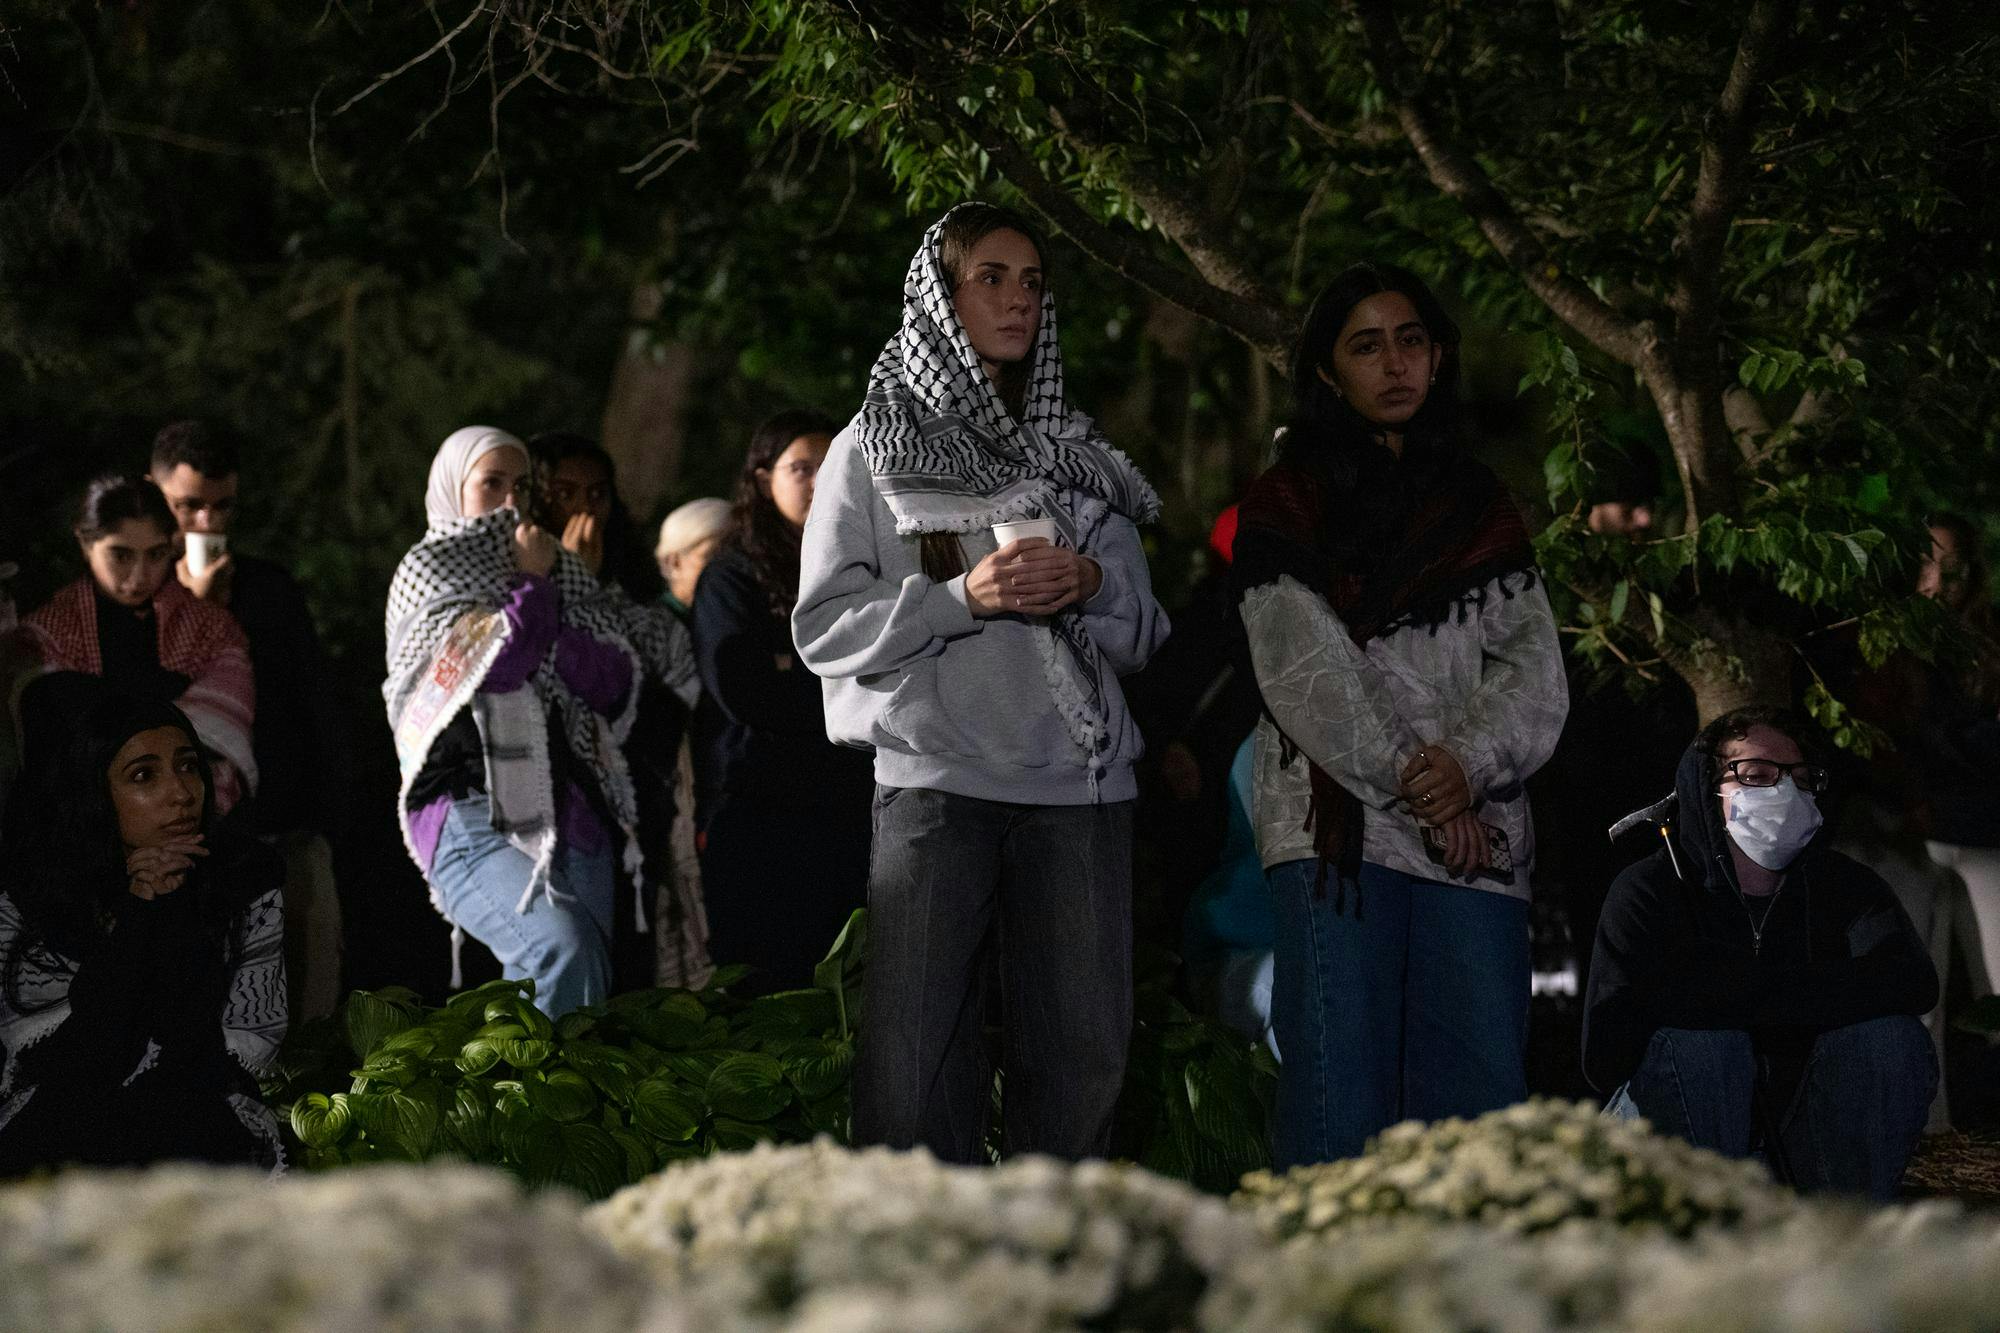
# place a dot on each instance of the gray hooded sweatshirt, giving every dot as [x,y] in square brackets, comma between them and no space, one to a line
[945,700]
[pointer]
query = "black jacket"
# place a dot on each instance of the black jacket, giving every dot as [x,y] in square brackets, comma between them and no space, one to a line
[296,717]
[1675,946]
[759,729]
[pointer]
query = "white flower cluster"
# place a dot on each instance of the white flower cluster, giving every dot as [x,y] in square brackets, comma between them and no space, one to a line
[377,1248]
[1526,1168]
[818,1237]
[1823,1268]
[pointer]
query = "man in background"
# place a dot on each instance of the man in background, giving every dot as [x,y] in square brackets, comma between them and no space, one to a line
[196,464]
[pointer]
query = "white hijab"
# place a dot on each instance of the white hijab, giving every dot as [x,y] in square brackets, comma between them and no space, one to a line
[461,450]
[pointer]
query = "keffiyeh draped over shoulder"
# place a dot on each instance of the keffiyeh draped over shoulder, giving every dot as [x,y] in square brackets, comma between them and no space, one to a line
[947,456]
[196,639]
[445,628]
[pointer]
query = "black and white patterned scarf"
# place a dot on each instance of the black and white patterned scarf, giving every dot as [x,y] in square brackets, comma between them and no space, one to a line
[947,456]
[445,628]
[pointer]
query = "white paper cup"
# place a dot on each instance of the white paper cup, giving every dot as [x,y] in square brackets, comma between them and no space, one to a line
[1045,528]
[204,549]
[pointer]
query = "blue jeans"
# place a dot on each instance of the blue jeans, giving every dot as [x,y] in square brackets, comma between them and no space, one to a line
[1410,1004]
[1850,1127]
[1046,893]
[562,942]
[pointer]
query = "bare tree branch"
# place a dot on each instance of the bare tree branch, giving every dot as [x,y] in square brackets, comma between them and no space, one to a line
[414,61]
[1170,206]
[1458,174]
[1724,177]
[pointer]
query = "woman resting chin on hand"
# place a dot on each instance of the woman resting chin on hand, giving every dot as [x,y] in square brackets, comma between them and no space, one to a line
[142,985]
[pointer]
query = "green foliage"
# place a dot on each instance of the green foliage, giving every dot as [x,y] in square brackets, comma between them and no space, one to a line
[606,1095]
[1810,555]
[1198,1096]
[594,1101]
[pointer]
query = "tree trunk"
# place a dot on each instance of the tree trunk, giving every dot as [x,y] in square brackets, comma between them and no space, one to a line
[1760,674]
[1690,406]
[645,414]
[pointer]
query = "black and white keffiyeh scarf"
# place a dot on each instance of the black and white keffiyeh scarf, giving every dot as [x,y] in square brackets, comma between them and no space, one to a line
[445,629]
[947,456]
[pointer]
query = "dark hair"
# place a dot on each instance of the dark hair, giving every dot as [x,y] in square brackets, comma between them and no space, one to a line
[755,525]
[969,224]
[964,228]
[1735,725]
[207,448]
[1981,679]
[626,560]
[1368,491]
[61,860]
[1971,555]
[1320,416]
[113,499]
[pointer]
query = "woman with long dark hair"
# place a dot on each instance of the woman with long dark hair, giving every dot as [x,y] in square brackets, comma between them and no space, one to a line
[129,620]
[142,983]
[1412,681]
[783,811]
[973,588]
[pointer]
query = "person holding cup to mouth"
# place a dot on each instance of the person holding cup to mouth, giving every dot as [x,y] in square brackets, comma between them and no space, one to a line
[980,663]
[301,760]
[130,622]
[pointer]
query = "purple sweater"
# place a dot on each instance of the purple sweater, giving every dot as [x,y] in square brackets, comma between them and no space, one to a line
[599,674]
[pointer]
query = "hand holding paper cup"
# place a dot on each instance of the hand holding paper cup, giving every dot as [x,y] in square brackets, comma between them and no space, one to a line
[204,549]
[1020,528]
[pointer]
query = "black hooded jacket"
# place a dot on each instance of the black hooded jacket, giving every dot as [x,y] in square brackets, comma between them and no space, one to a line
[1675,948]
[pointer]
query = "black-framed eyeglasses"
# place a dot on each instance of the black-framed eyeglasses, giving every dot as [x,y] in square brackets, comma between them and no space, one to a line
[1755,772]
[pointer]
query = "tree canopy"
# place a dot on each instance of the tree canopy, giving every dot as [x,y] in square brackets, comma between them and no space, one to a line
[1750,248]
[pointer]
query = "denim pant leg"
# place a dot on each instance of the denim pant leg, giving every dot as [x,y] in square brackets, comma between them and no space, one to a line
[1065,975]
[1697,1085]
[1862,1106]
[920,1074]
[561,944]
[1465,1027]
[1337,1010]
[585,884]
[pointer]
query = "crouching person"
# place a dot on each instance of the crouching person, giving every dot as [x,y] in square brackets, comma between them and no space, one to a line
[1755,992]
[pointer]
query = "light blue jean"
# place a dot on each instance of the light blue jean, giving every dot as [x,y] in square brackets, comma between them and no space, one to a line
[1850,1127]
[562,942]
[1410,1004]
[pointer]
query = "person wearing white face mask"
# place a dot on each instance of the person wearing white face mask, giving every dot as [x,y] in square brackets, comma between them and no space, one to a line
[1753,991]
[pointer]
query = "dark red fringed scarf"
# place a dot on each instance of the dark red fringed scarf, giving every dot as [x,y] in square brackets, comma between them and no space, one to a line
[1437,543]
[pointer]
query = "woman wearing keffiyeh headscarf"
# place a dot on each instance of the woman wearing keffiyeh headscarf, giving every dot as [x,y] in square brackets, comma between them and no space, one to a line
[984,675]
[1412,682]
[510,689]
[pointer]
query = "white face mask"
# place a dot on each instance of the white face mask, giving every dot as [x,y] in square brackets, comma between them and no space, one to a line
[1772,824]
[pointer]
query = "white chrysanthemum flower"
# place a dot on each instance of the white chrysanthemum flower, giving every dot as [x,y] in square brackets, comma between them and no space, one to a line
[822,1237]
[417,1248]
[1527,1168]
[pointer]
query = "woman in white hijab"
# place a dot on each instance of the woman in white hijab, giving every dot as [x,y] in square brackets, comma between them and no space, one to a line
[510,689]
